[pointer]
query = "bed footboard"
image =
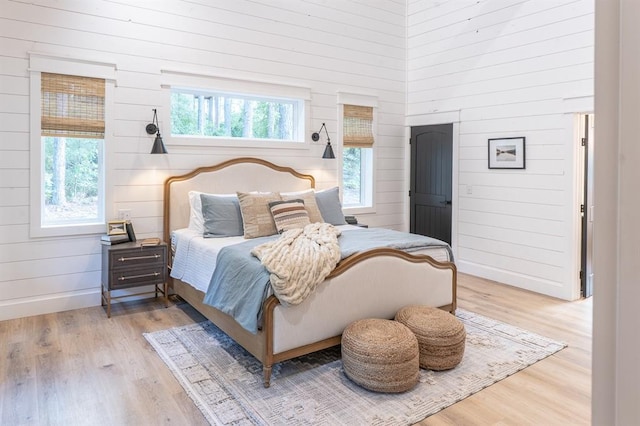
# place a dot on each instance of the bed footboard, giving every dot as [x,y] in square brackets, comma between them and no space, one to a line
[371,284]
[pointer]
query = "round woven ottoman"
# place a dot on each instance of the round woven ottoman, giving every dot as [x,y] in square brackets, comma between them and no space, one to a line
[380,355]
[441,335]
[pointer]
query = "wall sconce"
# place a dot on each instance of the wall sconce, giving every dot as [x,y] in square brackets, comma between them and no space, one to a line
[328,150]
[153,127]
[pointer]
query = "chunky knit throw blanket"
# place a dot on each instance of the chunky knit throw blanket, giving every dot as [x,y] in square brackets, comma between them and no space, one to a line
[299,260]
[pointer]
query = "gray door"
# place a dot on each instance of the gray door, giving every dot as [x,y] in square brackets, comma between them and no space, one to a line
[430,187]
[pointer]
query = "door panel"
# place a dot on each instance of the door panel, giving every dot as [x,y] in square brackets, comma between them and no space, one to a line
[431,168]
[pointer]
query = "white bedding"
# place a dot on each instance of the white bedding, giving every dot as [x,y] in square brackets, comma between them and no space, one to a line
[195,256]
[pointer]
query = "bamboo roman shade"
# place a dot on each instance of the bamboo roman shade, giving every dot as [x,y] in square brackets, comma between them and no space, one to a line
[72,106]
[358,124]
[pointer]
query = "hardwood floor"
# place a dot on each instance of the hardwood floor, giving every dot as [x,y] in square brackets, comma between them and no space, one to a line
[554,391]
[80,368]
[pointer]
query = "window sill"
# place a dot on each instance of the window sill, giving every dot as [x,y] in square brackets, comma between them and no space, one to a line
[182,141]
[68,230]
[358,210]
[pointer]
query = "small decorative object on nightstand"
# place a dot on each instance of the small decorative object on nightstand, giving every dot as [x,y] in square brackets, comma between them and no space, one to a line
[352,220]
[130,265]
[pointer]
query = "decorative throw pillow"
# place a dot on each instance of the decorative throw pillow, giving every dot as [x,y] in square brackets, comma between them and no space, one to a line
[289,214]
[256,214]
[222,216]
[309,198]
[196,219]
[330,207]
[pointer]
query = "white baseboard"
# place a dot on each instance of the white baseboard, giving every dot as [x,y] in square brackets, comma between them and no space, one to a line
[534,284]
[59,302]
[46,304]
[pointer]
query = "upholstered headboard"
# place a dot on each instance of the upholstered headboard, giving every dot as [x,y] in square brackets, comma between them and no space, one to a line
[240,174]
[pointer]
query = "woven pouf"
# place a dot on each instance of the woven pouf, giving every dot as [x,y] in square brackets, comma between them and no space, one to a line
[441,335]
[380,355]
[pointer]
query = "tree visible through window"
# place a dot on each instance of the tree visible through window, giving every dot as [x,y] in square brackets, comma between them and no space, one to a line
[233,116]
[351,176]
[71,179]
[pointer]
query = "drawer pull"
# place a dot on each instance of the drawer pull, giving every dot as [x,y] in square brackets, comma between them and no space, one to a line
[154,274]
[124,259]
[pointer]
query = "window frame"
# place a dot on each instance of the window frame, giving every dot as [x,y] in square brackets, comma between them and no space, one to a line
[369,205]
[205,83]
[39,63]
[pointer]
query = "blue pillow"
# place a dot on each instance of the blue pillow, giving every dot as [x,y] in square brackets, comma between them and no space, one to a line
[330,207]
[222,216]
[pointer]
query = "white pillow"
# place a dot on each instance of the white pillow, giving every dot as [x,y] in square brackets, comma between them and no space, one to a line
[196,220]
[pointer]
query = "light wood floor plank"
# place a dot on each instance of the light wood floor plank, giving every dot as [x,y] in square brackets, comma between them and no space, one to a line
[80,368]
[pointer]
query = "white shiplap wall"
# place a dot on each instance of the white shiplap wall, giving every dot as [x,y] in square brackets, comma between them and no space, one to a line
[328,46]
[506,68]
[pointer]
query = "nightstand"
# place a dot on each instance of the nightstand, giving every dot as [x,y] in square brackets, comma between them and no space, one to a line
[129,265]
[361,225]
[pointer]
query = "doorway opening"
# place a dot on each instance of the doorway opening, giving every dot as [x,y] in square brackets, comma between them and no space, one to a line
[587,142]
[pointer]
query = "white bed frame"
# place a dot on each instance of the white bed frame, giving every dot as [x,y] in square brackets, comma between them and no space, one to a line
[374,283]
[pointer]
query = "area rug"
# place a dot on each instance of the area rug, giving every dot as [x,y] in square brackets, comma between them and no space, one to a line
[225,381]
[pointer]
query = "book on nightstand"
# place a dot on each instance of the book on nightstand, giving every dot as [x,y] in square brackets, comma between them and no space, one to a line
[150,242]
[114,239]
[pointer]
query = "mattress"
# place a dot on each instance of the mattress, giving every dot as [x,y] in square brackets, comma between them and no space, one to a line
[195,257]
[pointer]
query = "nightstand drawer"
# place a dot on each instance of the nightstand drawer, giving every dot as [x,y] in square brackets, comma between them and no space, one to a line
[125,278]
[148,256]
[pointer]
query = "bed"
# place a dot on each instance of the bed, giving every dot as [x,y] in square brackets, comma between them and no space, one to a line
[364,284]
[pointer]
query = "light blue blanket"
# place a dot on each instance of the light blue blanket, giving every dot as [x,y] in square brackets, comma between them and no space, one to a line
[240,283]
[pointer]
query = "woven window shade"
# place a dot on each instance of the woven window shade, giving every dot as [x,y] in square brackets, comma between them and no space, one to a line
[72,106]
[358,123]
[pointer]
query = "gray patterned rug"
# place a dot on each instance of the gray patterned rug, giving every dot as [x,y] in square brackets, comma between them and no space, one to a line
[225,382]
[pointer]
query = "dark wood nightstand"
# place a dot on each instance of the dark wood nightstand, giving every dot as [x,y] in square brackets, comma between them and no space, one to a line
[130,265]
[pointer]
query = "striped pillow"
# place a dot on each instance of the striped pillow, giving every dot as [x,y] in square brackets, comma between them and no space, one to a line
[289,214]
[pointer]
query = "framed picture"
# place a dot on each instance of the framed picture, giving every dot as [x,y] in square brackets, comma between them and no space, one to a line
[507,153]
[117,227]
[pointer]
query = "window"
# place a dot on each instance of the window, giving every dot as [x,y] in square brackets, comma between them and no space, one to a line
[69,114]
[195,113]
[72,136]
[357,156]
[213,110]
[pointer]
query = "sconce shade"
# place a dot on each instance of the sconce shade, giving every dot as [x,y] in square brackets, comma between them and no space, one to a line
[158,146]
[328,152]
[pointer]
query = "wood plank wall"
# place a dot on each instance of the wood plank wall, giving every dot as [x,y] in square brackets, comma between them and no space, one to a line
[509,68]
[349,46]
